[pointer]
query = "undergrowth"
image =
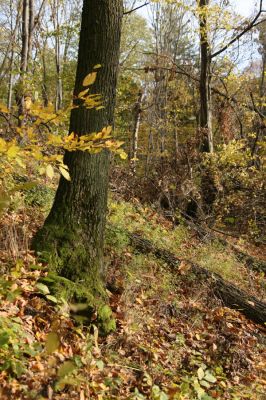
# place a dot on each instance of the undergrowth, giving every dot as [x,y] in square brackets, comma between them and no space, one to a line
[172,340]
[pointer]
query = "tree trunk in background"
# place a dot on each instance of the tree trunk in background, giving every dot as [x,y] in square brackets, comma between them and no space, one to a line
[23,58]
[208,189]
[59,88]
[135,134]
[30,35]
[72,237]
[205,81]
[12,55]
[25,36]
[44,80]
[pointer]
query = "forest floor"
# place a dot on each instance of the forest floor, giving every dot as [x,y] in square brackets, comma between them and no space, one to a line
[174,338]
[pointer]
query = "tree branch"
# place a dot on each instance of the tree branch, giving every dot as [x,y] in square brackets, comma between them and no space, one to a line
[248,28]
[137,8]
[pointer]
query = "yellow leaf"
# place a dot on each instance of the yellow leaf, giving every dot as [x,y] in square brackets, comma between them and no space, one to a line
[42,171]
[123,155]
[3,108]
[82,94]
[70,137]
[27,103]
[107,130]
[50,171]
[52,342]
[54,139]
[37,154]
[12,151]
[20,163]
[97,66]
[65,173]
[89,79]
[2,145]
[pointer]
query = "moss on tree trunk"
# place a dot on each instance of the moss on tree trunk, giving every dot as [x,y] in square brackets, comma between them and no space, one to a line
[72,237]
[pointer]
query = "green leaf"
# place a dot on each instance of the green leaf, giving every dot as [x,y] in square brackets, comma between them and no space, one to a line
[52,298]
[100,365]
[17,368]
[200,373]
[209,377]
[205,384]
[52,342]
[4,338]
[42,288]
[66,368]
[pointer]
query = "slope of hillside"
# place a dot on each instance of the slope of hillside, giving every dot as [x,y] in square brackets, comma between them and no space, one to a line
[173,340]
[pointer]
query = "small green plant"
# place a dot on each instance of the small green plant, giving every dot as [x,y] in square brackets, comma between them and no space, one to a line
[39,195]
[16,344]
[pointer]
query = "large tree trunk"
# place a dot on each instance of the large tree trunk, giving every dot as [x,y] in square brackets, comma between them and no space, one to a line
[232,297]
[205,81]
[73,233]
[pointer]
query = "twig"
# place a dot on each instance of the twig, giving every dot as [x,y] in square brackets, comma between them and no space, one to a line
[137,8]
[237,37]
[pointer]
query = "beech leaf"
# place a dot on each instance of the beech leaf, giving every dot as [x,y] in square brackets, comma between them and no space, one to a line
[89,79]
[52,342]
[65,173]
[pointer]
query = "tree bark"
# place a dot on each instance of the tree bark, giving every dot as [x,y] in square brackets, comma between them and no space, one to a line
[205,82]
[44,75]
[231,296]
[135,133]
[24,58]
[73,234]
[59,88]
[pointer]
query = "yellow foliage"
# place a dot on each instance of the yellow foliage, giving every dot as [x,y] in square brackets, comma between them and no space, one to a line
[36,146]
[27,103]
[89,79]
[83,93]
[12,151]
[50,171]
[64,171]
[3,145]
[3,109]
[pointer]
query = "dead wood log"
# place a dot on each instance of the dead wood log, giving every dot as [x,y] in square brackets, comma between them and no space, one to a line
[231,296]
[251,262]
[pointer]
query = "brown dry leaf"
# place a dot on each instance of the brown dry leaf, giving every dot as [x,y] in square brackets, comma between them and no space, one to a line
[184,267]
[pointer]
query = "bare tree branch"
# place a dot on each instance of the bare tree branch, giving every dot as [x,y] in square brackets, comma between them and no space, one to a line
[137,8]
[237,37]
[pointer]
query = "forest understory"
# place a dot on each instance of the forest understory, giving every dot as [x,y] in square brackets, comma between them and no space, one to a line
[132,200]
[174,337]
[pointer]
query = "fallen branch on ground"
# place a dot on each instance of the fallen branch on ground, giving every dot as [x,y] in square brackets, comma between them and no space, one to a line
[231,296]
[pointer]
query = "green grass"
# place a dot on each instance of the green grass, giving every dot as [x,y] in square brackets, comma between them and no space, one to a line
[126,217]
